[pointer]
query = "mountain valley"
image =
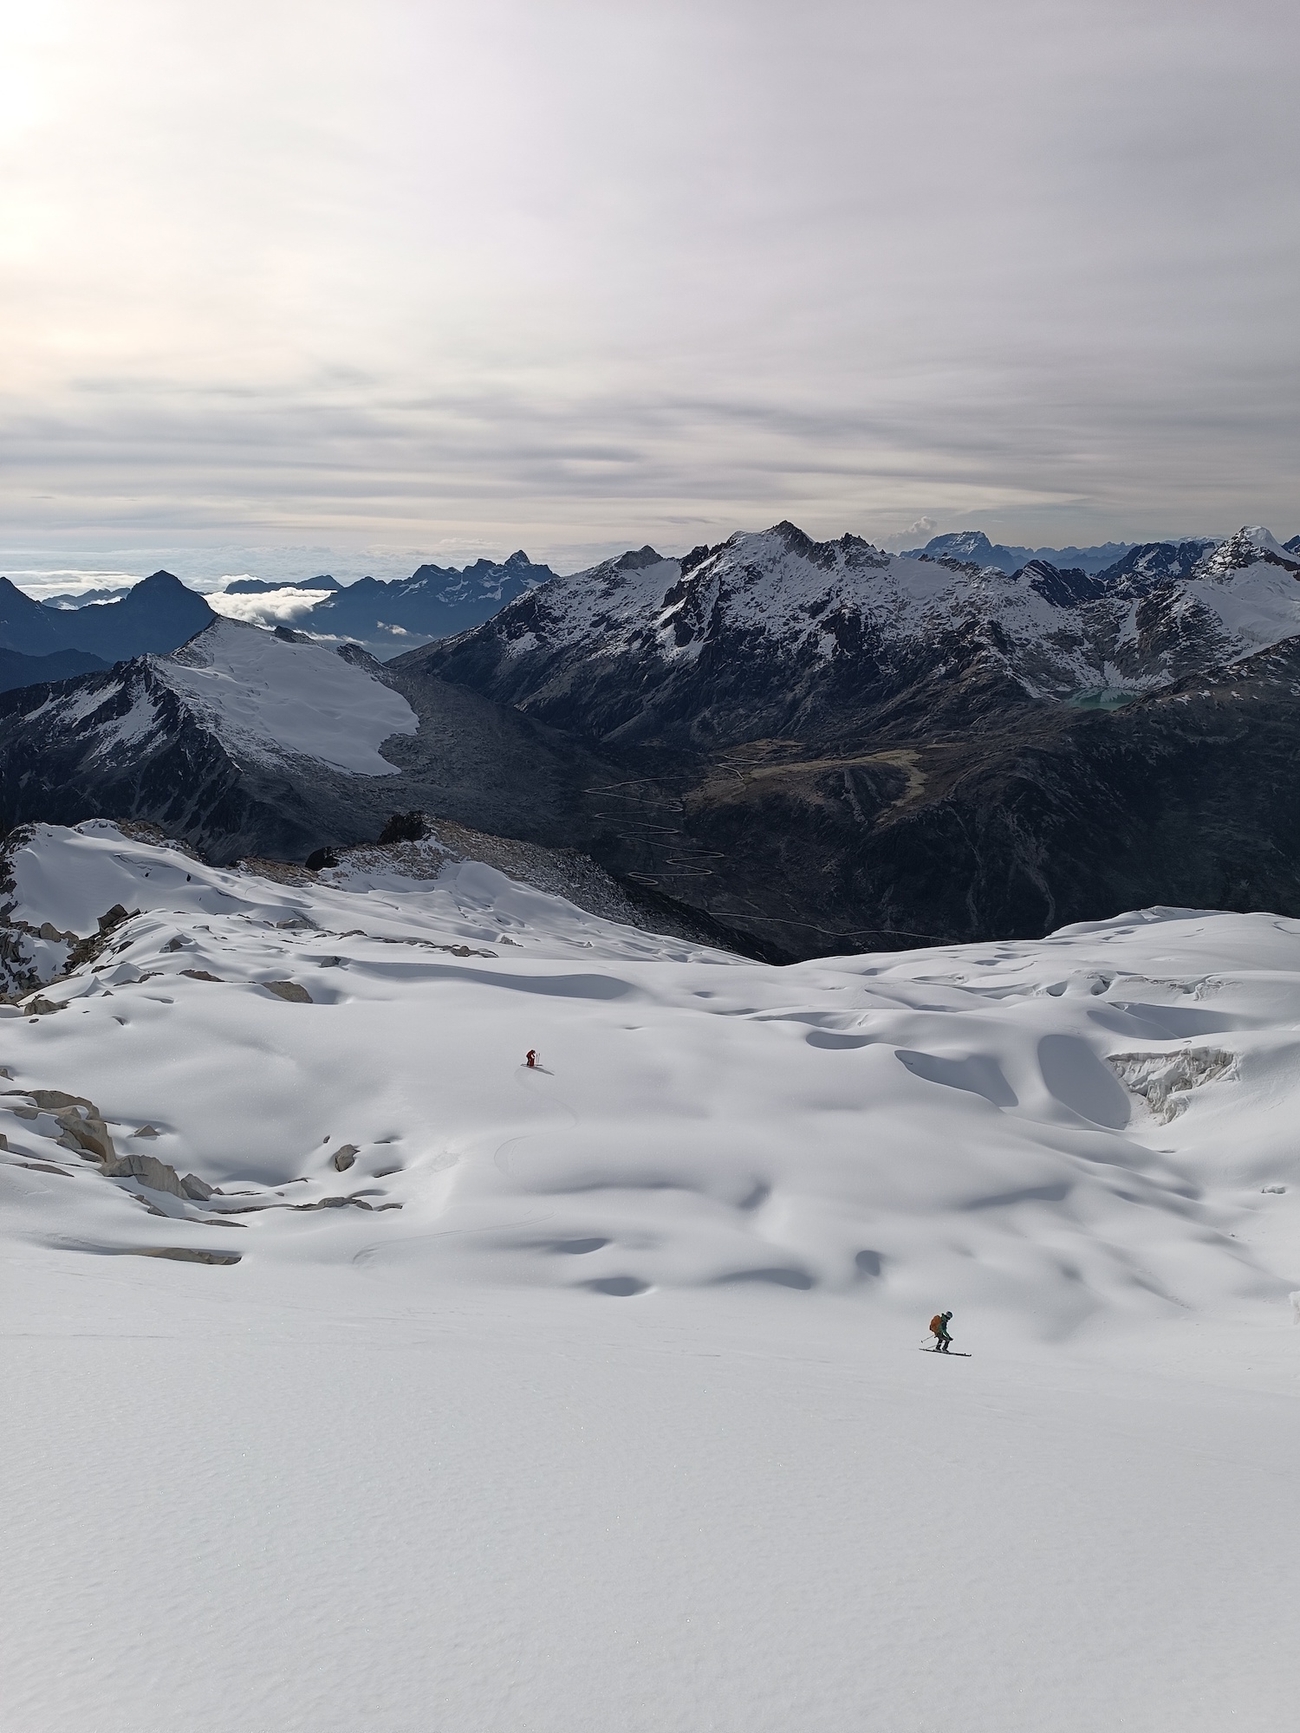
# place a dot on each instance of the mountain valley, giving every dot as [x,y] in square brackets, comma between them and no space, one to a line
[802,747]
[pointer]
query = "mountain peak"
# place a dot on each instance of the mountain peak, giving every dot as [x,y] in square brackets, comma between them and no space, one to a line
[1250,546]
[1260,537]
[9,589]
[635,558]
[962,545]
[796,540]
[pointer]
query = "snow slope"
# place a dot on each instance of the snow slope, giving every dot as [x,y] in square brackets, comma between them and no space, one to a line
[587,1396]
[1044,1129]
[267,697]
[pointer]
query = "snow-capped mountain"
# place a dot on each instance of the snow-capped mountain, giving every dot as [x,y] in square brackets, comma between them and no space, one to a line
[259,698]
[774,634]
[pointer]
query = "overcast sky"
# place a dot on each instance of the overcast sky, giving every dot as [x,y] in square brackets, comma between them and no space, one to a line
[452,278]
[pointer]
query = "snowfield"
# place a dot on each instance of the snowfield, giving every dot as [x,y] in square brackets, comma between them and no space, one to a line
[264,698]
[361,1376]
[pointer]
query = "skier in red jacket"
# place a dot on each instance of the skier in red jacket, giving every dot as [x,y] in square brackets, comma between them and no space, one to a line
[530,1059]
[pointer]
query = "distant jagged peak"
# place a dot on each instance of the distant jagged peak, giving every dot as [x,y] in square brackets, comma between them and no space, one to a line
[493,577]
[1146,565]
[963,545]
[849,549]
[973,546]
[635,559]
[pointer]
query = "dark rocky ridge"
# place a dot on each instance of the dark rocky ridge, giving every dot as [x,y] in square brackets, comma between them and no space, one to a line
[155,616]
[264,587]
[19,670]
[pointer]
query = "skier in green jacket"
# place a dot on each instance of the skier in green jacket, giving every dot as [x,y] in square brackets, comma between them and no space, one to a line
[939,1330]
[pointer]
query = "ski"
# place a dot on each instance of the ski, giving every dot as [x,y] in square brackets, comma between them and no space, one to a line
[953,1353]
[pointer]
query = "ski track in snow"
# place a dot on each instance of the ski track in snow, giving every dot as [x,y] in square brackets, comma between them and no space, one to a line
[618,1421]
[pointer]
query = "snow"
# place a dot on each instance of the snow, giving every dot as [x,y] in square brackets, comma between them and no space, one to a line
[137,724]
[267,697]
[1258,605]
[618,1420]
[613,598]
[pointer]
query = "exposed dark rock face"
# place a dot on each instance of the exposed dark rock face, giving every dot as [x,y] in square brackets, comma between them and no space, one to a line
[1187,797]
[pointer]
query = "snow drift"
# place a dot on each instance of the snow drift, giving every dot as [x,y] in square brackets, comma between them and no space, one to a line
[1100,1123]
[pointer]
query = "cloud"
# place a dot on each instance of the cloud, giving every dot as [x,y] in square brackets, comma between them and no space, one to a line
[574,276]
[287,607]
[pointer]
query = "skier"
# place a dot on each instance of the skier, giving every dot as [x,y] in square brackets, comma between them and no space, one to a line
[530,1059]
[939,1330]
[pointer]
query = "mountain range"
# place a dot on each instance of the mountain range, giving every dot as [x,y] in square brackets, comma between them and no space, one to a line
[975,545]
[814,746]
[434,602]
[66,599]
[437,602]
[158,614]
